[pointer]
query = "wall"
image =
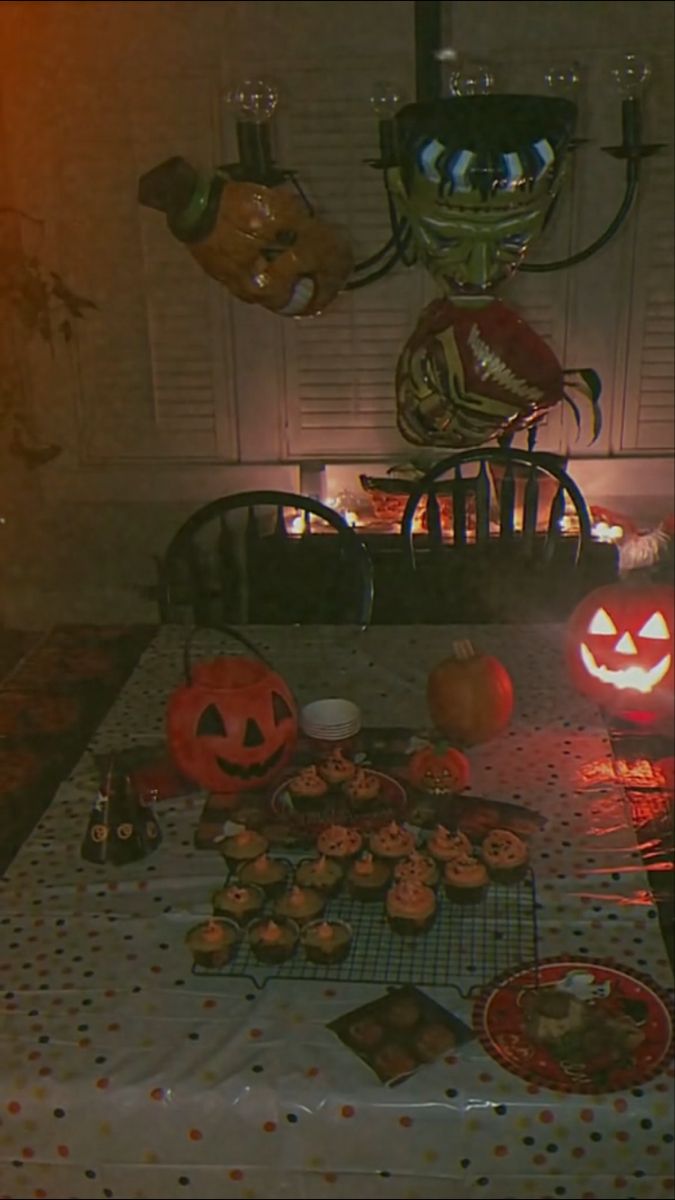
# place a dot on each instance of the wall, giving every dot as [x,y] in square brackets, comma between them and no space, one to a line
[173,393]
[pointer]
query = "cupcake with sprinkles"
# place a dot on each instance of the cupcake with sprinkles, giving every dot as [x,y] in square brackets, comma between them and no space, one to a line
[411,908]
[363,790]
[444,845]
[420,868]
[240,902]
[465,879]
[336,769]
[337,841]
[306,789]
[392,842]
[505,856]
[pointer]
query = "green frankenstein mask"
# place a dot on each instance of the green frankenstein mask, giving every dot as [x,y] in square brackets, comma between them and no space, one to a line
[476,180]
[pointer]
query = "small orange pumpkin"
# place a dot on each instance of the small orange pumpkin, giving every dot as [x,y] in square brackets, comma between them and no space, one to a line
[439,769]
[469,696]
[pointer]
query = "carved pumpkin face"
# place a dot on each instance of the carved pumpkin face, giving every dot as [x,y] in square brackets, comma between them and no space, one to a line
[468,374]
[621,646]
[439,770]
[233,726]
[268,249]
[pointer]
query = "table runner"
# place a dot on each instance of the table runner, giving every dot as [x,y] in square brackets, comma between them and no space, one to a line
[124,1075]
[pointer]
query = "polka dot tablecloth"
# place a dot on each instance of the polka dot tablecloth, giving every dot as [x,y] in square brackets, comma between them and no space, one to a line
[123,1075]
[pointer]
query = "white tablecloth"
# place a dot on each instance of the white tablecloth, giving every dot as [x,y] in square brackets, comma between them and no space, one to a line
[124,1075]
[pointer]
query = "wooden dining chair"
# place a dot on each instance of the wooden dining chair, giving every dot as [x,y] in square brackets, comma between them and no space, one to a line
[515,522]
[242,559]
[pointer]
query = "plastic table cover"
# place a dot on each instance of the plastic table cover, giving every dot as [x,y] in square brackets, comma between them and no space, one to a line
[124,1075]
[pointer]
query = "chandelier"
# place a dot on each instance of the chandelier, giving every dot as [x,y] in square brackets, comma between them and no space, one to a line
[470,179]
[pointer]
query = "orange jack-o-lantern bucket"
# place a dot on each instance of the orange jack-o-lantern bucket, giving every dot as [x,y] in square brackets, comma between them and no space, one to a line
[233,724]
[620,649]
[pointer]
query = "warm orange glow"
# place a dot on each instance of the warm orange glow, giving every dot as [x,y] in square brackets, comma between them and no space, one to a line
[638,679]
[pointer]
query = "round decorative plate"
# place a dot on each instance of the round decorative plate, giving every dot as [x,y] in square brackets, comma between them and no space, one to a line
[576,1025]
[333,808]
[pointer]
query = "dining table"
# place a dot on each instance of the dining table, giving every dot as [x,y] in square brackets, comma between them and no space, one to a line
[124,1072]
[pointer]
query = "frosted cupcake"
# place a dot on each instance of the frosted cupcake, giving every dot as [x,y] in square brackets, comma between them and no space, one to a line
[273,941]
[419,868]
[242,847]
[336,768]
[213,943]
[301,904]
[324,874]
[368,878]
[362,790]
[307,788]
[326,942]
[411,908]
[505,856]
[270,874]
[392,842]
[444,846]
[239,902]
[339,842]
[465,879]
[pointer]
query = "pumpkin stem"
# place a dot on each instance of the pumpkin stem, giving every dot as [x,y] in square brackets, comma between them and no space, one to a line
[462,650]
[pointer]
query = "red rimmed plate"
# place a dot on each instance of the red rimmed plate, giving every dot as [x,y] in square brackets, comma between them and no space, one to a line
[391,806]
[626,1038]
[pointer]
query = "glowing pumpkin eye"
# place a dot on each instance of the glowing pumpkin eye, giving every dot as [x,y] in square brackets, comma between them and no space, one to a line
[655,628]
[602,623]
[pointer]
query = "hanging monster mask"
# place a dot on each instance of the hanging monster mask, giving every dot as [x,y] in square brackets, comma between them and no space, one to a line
[476,182]
[263,243]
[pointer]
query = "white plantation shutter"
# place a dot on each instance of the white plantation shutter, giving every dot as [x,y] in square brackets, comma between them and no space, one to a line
[340,366]
[650,377]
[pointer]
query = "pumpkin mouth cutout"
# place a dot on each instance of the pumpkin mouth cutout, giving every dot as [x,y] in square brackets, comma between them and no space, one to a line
[252,770]
[637,679]
[301,295]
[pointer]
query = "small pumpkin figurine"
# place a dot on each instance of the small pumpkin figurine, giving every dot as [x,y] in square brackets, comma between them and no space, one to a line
[232,725]
[439,769]
[469,695]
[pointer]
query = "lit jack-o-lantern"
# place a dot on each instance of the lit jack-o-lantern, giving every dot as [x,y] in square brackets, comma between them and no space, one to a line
[620,647]
[233,725]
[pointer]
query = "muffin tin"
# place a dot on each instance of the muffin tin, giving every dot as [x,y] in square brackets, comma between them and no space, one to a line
[400,1032]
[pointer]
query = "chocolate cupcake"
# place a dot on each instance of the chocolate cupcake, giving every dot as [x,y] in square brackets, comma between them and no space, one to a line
[323,874]
[368,878]
[339,842]
[444,845]
[433,1040]
[392,1060]
[362,790]
[402,1012]
[326,942]
[300,904]
[418,867]
[411,908]
[242,847]
[273,941]
[465,879]
[239,902]
[307,789]
[365,1033]
[505,856]
[336,768]
[270,874]
[213,943]
[392,842]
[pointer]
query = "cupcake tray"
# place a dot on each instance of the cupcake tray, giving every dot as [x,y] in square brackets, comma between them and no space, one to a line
[466,947]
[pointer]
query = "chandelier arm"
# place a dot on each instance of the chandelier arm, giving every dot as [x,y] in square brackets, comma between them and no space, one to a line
[630,193]
[353,284]
[400,232]
[375,258]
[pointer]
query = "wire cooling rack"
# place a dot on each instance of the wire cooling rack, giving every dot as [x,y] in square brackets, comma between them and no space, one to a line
[467,946]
